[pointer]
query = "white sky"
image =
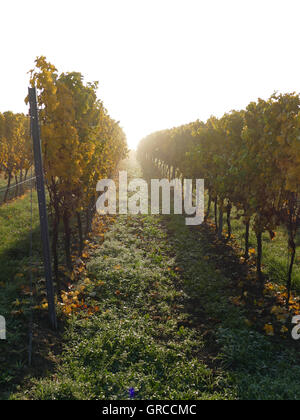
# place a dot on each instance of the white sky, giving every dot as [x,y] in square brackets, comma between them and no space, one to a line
[160,63]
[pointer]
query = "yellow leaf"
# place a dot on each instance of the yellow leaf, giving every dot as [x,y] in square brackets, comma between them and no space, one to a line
[269,329]
[284,330]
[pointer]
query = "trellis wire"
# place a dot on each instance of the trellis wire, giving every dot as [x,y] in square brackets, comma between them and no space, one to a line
[16,185]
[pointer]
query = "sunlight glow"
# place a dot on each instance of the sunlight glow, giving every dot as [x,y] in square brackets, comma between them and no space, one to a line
[159,63]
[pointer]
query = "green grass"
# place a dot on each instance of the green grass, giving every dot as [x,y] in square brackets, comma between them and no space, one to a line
[275,252]
[167,335]
[138,338]
[3,182]
[15,224]
[15,229]
[260,368]
[166,325]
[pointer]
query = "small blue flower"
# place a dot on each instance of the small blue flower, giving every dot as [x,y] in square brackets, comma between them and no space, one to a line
[131,392]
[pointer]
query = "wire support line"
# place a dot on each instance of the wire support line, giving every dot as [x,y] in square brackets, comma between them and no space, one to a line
[16,185]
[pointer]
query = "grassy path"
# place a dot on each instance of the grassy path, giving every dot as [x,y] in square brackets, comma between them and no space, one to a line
[163,323]
[164,326]
[140,337]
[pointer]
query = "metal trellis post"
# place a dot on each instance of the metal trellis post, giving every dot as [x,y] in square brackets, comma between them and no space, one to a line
[38,163]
